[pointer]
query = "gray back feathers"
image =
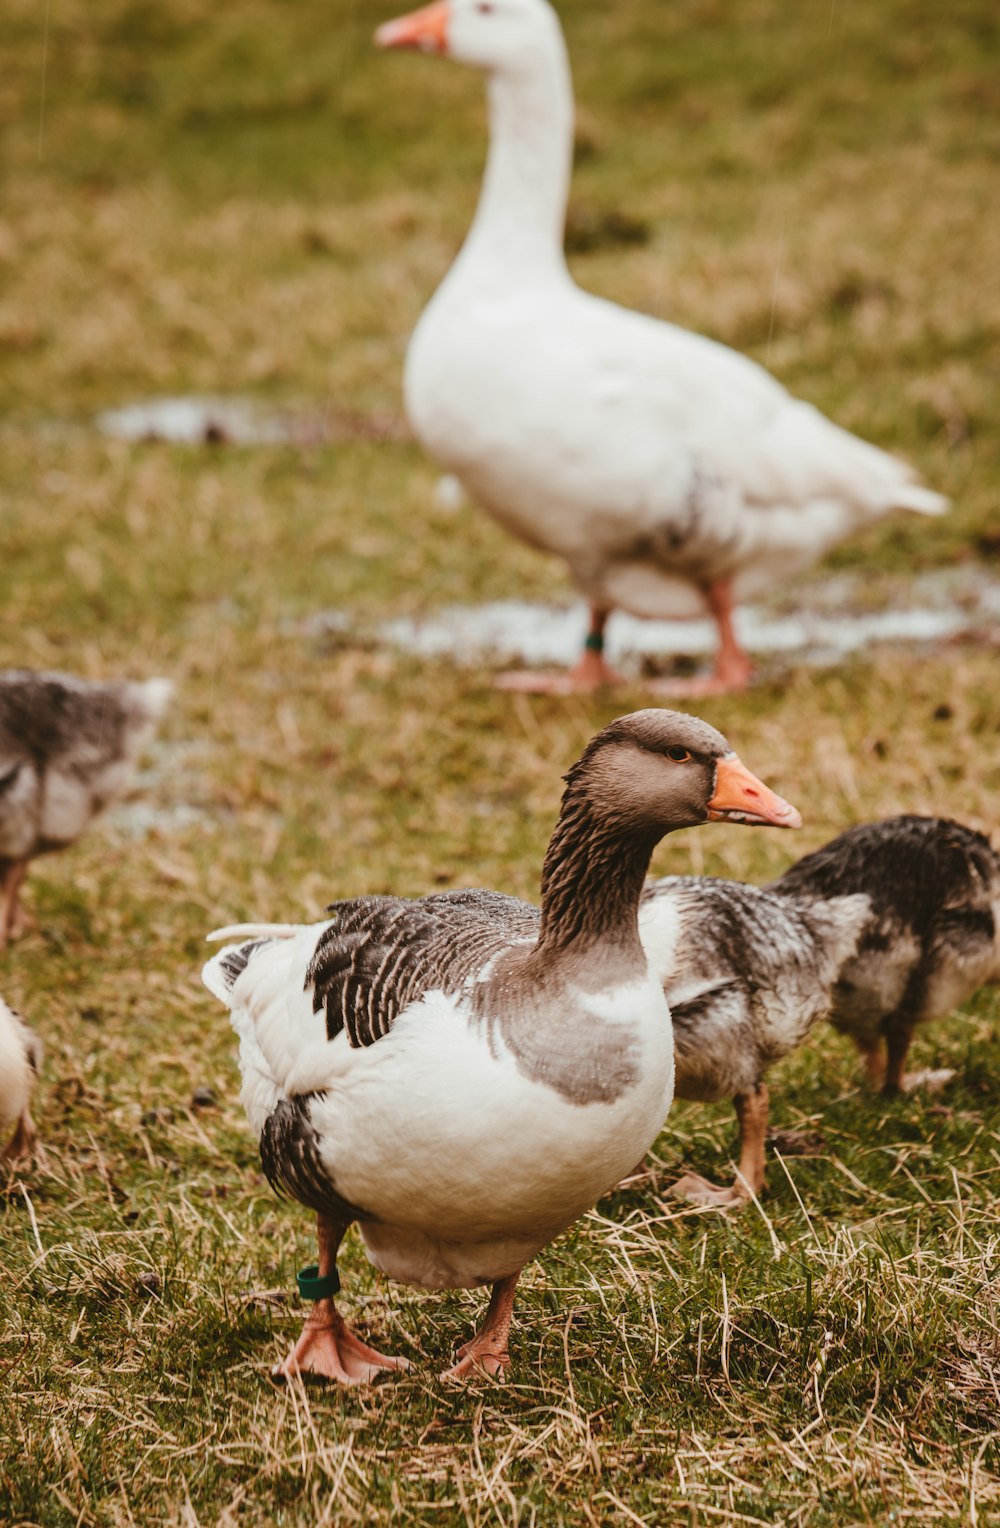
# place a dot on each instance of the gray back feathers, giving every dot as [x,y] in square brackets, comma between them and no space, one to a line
[67,747]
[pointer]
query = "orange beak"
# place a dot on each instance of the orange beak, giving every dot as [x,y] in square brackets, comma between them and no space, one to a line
[741,797]
[426,29]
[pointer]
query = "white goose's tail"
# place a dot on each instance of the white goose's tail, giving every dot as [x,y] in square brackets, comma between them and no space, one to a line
[923,501]
[254,931]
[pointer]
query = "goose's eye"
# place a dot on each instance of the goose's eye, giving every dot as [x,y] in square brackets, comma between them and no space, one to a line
[678,755]
[485,10]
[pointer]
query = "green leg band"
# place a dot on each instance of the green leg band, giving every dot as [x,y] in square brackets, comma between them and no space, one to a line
[312,1287]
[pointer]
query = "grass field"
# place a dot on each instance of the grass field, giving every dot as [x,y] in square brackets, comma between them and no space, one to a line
[251,201]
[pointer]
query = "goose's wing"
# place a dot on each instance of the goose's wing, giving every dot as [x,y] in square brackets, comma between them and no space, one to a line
[734,418]
[381,954]
[295,992]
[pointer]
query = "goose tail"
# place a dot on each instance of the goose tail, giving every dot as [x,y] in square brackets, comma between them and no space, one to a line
[221,973]
[923,501]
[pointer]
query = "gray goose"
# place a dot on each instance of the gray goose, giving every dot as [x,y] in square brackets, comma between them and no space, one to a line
[932,937]
[68,747]
[747,974]
[462,1076]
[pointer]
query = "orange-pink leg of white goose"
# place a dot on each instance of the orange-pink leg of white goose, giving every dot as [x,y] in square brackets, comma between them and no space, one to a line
[327,1346]
[732,669]
[593,672]
[731,672]
[486,1353]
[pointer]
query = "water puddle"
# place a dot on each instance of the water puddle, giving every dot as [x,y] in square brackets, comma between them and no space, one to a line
[932,607]
[209,420]
[163,798]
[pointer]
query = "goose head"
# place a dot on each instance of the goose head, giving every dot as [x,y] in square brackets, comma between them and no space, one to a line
[656,770]
[494,35]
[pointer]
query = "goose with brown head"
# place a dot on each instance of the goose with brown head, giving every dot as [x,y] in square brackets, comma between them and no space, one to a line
[462,1075]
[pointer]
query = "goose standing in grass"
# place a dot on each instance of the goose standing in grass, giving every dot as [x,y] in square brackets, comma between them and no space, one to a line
[747,974]
[932,938]
[20,1056]
[671,474]
[460,1076]
[68,747]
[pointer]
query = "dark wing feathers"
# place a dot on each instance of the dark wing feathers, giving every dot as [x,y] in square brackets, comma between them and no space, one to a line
[232,962]
[911,867]
[383,953]
[48,717]
[289,1155]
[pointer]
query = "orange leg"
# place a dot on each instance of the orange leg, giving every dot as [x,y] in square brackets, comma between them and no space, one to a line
[487,1353]
[751,1111]
[898,1031]
[13,919]
[327,1346]
[591,673]
[873,1056]
[732,669]
[22,1142]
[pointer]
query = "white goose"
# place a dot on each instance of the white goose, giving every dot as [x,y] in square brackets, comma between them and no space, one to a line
[460,1078]
[670,473]
[20,1054]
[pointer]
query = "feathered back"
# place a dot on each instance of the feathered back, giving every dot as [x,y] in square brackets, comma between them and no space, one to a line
[67,748]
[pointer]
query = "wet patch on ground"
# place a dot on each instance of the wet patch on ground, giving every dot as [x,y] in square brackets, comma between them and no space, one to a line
[218,420]
[838,617]
[169,794]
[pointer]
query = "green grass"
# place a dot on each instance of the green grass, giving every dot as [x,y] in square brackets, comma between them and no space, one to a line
[253,201]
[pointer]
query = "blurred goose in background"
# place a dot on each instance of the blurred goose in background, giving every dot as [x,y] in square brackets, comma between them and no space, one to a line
[747,974]
[20,1057]
[931,940]
[68,747]
[463,1076]
[672,475]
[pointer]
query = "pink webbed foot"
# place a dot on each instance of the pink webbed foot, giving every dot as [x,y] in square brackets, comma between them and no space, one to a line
[729,678]
[485,1356]
[329,1349]
[590,674]
[930,1079]
[478,1359]
[710,1196]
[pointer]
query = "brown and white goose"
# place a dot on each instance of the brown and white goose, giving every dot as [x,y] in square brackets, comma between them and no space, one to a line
[68,747]
[20,1054]
[461,1077]
[932,937]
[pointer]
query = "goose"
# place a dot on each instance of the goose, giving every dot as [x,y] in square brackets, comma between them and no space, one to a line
[464,1076]
[747,975]
[68,747]
[20,1057]
[671,474]
[932,938]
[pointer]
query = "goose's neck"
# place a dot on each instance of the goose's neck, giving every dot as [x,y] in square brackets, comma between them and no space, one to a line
[592,881]
[522,206]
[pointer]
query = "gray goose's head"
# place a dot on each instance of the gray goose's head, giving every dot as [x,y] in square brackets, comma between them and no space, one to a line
[656,770]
